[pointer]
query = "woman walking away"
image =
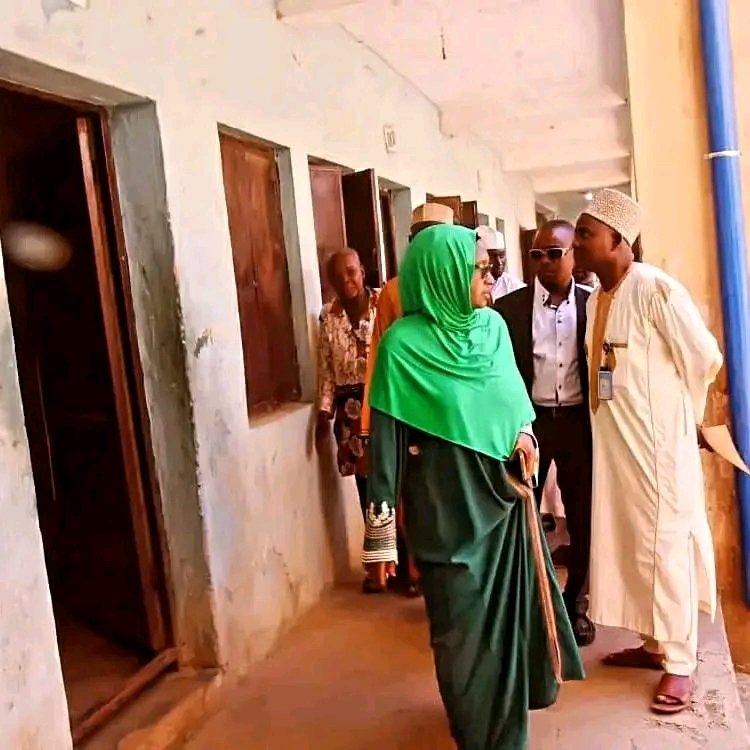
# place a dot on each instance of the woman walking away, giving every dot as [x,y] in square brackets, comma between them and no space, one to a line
[451,434]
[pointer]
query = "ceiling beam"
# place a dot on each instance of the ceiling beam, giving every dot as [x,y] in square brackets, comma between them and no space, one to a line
[535,159]
[558,103]
[578,180]
[310,11]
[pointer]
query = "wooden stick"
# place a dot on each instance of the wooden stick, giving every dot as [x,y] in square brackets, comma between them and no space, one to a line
[545,589]
[134,685]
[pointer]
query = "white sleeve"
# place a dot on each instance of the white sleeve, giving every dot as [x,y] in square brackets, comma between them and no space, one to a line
[694,349]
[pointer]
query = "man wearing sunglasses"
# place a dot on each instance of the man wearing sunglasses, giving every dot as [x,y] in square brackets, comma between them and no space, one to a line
[547,324]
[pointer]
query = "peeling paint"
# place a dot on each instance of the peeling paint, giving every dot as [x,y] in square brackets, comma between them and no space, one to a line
[203,341]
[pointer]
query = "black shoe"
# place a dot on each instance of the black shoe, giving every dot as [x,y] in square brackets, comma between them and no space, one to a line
[584,630]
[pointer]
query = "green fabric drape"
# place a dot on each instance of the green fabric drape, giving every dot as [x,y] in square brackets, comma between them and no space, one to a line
[446,368]
[471,537]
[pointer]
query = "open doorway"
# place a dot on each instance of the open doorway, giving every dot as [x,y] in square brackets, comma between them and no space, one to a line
[74,348]
[346,214]
[395,211]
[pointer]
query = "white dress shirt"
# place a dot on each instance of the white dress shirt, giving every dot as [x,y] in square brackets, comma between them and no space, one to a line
[557,379]
[505,284]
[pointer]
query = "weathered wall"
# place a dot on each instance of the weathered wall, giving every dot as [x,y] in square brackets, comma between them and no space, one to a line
[34,714]
[275,525]
[142,198]
[674,185]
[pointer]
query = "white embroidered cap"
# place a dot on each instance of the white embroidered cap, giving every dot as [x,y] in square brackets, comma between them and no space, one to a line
[618,211]
[489,239]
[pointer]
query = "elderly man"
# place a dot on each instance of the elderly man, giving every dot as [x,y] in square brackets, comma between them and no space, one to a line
[494,243]
[651,361]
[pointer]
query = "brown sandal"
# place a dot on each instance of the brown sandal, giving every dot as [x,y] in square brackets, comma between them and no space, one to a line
[634,658]
[674,694]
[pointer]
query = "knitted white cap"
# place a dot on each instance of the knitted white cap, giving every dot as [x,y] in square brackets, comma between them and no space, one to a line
[618,211]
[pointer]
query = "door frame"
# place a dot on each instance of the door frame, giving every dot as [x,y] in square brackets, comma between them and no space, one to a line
[113,286]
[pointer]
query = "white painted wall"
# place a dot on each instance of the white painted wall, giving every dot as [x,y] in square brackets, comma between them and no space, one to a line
[33,712]
[318,93]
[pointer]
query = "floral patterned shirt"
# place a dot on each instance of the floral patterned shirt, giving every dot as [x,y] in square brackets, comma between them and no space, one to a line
[342,350]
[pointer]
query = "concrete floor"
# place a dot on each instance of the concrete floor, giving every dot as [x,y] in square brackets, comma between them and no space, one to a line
[356,674]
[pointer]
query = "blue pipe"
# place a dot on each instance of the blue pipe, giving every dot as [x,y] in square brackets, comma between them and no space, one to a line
[730,233]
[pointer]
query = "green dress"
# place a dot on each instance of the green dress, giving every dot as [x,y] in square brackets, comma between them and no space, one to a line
[469,530]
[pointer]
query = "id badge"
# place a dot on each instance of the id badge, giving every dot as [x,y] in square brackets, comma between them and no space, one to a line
[605,385]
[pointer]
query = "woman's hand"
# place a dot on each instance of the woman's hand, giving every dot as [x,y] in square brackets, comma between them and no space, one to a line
[526,451]
[322,428]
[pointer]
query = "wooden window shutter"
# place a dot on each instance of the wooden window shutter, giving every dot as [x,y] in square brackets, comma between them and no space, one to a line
[328,215]
[251,185]
[361,221]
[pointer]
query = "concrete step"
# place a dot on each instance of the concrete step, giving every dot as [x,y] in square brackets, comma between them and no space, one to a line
[162,716]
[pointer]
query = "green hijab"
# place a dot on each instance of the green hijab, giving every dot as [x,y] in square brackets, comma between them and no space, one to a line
[446,368]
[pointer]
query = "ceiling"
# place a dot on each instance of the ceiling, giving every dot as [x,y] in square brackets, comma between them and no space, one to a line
[542,81]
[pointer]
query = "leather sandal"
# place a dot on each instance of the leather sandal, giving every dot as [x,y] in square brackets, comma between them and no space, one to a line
[674,694]
[634,658]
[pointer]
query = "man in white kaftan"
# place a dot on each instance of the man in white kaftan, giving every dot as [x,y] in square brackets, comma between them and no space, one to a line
[651,361]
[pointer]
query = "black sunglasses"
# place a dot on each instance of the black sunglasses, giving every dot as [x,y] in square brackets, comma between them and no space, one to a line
[553,253]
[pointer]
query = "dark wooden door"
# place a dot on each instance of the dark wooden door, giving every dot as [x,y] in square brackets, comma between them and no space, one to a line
[328,214]
[389,233]
[469,214]
[251,185]
[150,577]
[360,191]
[452,201]
[526,243]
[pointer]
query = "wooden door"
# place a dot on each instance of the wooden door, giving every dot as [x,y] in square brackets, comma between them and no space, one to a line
[328,214]
[360,191]
[251,186]
[452,201]
[469,214]
[526,243]
[150,577]
[389,233]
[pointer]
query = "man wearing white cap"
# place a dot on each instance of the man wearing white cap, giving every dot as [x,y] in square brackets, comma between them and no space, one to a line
[494,243]
[651,361]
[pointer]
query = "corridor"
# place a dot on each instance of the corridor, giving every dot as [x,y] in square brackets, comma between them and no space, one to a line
[356,674]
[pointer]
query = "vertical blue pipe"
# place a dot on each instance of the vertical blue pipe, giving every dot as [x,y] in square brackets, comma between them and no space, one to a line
[730,232]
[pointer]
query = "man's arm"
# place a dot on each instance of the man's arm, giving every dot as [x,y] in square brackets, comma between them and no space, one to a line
[694,349]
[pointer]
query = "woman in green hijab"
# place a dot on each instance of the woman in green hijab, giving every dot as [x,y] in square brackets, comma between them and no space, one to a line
[450,421]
